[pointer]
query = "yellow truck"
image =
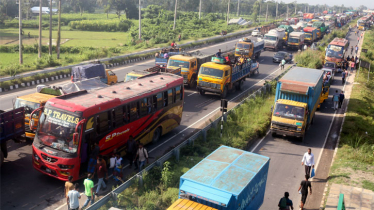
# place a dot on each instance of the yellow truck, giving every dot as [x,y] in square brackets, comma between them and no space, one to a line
[185,204]
[30,103]
[249,47]
[219,76]
[297,97]
[189,64]
[134,74]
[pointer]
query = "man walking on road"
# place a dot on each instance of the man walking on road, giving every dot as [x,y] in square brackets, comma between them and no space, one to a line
[69,185]
[142,153]
[308,161]
[356,49]
[73,198]
[101,172]
[130,150]
[93,158]
[304,190]
[341,99]
[285,203]
[335,99]
[88,186]
[283,62]
[343,76]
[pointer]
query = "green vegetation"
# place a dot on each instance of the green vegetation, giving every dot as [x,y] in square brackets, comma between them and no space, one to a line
[160,185]
[354,162]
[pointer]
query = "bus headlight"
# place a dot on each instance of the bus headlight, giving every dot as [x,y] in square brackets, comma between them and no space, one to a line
[66,166]
[36,157]
[298,129]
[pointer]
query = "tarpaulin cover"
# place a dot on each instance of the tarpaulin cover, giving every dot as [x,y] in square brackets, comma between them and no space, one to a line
[87,71]
[287,28]
[308,16]
[320,25]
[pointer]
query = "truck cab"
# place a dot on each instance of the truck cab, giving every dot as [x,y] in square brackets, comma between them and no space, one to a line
[88,71]
[189,68]
[30,103]
[296,40]
[213,78]
[289,118]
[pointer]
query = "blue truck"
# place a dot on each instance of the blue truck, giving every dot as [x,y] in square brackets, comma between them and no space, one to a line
[161,60]
[228,179]
[296,100]
[12,127]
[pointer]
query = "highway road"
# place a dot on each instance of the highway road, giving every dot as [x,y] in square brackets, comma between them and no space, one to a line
[22,187]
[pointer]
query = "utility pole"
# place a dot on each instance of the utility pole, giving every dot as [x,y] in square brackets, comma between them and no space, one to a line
[295,7]
[20,31]
[308,8]
[200,10]
[175,13]
[50,27]
[140,21]
[259,14]
[287,12]
[267,7]
[228,12]
[276,11]
[305,8]
[237,11]
[40,30]
[59,30]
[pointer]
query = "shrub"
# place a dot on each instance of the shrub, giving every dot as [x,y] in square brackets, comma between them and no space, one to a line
[102,25]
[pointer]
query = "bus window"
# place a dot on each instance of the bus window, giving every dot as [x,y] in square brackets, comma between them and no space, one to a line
[102,123]
[117,117]
[143,107]
[178,93]
[170,96]
[165,99]
[126,114]
[159,100]
[134,111]
[149,104]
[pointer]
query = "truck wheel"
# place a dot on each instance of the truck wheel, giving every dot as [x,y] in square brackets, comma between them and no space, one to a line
[193,83]
[273,134]
[202,92]
[4,149]
[240,85]
[224,94]
[1,158]
[112,83]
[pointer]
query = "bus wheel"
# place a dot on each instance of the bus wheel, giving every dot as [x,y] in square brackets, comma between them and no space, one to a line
[156,135]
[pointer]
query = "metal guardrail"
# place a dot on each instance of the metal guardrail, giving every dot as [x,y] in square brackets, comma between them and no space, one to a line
[154,50]
[341,205]
[176,151]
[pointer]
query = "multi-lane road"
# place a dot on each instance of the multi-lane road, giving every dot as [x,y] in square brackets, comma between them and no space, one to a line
[22,187]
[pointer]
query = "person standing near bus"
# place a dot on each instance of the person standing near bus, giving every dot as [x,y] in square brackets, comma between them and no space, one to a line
[88,186]
[142,153]
[93,158]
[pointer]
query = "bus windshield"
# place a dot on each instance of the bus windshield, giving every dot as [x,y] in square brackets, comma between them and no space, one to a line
[178,63]
[29,106]
[334,51]
[56,130]
[289,111]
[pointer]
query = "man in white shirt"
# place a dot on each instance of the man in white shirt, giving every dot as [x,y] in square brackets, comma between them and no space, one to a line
[73,198]
[308,161]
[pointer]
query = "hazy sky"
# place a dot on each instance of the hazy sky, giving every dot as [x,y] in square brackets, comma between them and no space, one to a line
[347,3]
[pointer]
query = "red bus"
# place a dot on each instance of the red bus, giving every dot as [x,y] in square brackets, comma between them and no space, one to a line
[144,109]
[336,50]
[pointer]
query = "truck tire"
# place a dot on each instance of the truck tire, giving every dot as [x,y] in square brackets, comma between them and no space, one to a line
[4,149]
[273,134]
[202,92]
[224,93]
[192,83]
[1,158]
[240,85]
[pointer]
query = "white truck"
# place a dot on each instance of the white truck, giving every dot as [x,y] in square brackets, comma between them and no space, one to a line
[256,33]
[274,39]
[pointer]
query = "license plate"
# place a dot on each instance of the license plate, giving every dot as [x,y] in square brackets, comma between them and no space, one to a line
[48,170]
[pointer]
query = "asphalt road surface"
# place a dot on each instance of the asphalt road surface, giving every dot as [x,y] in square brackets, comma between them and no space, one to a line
[22,187]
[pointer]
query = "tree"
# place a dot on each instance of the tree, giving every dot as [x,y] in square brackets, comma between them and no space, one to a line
[255,9]
[118,6]
[105,5]
[59,30]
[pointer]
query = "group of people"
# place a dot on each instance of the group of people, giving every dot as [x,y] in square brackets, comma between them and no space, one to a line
[97,167]
[305,187]
[338,99]
[238,61]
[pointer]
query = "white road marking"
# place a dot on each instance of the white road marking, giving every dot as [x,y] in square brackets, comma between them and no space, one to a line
[260,141]
[191,94]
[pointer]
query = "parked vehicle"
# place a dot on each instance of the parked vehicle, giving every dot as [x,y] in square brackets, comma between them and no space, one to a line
[190,64]
[161,60]
[321,28]
[288,29]
[296,100]
[250,47]
[308,16]
[274,39]
[335,51]
[12,127]
[332,66]
[256,33]
[279,56]
[228,179]
[140,73]
[219,77]
[310,35]
[296,40]
[143,109]
[326,84]
[88,71]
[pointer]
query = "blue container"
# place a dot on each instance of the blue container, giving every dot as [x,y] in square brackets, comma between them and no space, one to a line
[302,85]
[228,179]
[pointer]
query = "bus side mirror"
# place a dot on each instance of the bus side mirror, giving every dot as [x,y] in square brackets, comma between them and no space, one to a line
[75,138]
[31,123]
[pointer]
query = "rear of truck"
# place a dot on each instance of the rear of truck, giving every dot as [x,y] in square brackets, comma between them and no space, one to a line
[296,101]
[88,71]
[227,179]
[310,35]
[12,126]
